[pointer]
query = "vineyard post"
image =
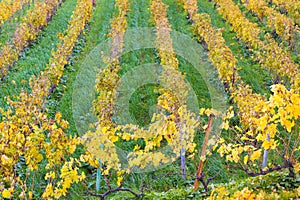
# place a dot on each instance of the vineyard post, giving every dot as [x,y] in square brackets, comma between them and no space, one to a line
[182,158]
[266,153]
[203,150]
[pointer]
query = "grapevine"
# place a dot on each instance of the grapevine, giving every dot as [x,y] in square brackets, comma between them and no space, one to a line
[283,25]
[26,32]
[35,135]
[162,127]
[291,7]
[258,115]
[269,54]
[9,7]
[250,151]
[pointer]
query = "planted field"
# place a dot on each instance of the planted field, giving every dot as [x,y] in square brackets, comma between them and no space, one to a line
[149,99]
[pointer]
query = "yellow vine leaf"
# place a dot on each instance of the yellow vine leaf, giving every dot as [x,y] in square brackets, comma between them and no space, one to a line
[6,194]
[255,155]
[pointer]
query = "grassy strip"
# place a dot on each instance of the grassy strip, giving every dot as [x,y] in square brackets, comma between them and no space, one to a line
[259,79]
[179,23]
[34,102]
[139,16]
[61,99]
[275,185]
[146,96]
[141,104]
[35,57]
[141,101]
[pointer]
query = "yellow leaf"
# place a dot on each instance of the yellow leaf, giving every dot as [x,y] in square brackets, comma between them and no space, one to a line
[202,111]
[266,144]
[262,123]
[126,136]
[120,179]
[288,124]
[260,137]
[58,117]
[244,138]
[6,194]
[137,147]
[297,167]
[246,159]
[82,177]
[255,155]
[113,138]
[225,125]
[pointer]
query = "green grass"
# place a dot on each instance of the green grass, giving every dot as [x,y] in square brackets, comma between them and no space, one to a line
[139,15]
[95,34]
[139,108]
[145,97]
[61,99]
[177,19]
[179,22]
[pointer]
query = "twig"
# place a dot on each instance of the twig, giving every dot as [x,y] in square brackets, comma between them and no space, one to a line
[120,188]
[205,183]
[264,172]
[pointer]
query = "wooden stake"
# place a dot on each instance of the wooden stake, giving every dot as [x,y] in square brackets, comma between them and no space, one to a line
[203,150]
